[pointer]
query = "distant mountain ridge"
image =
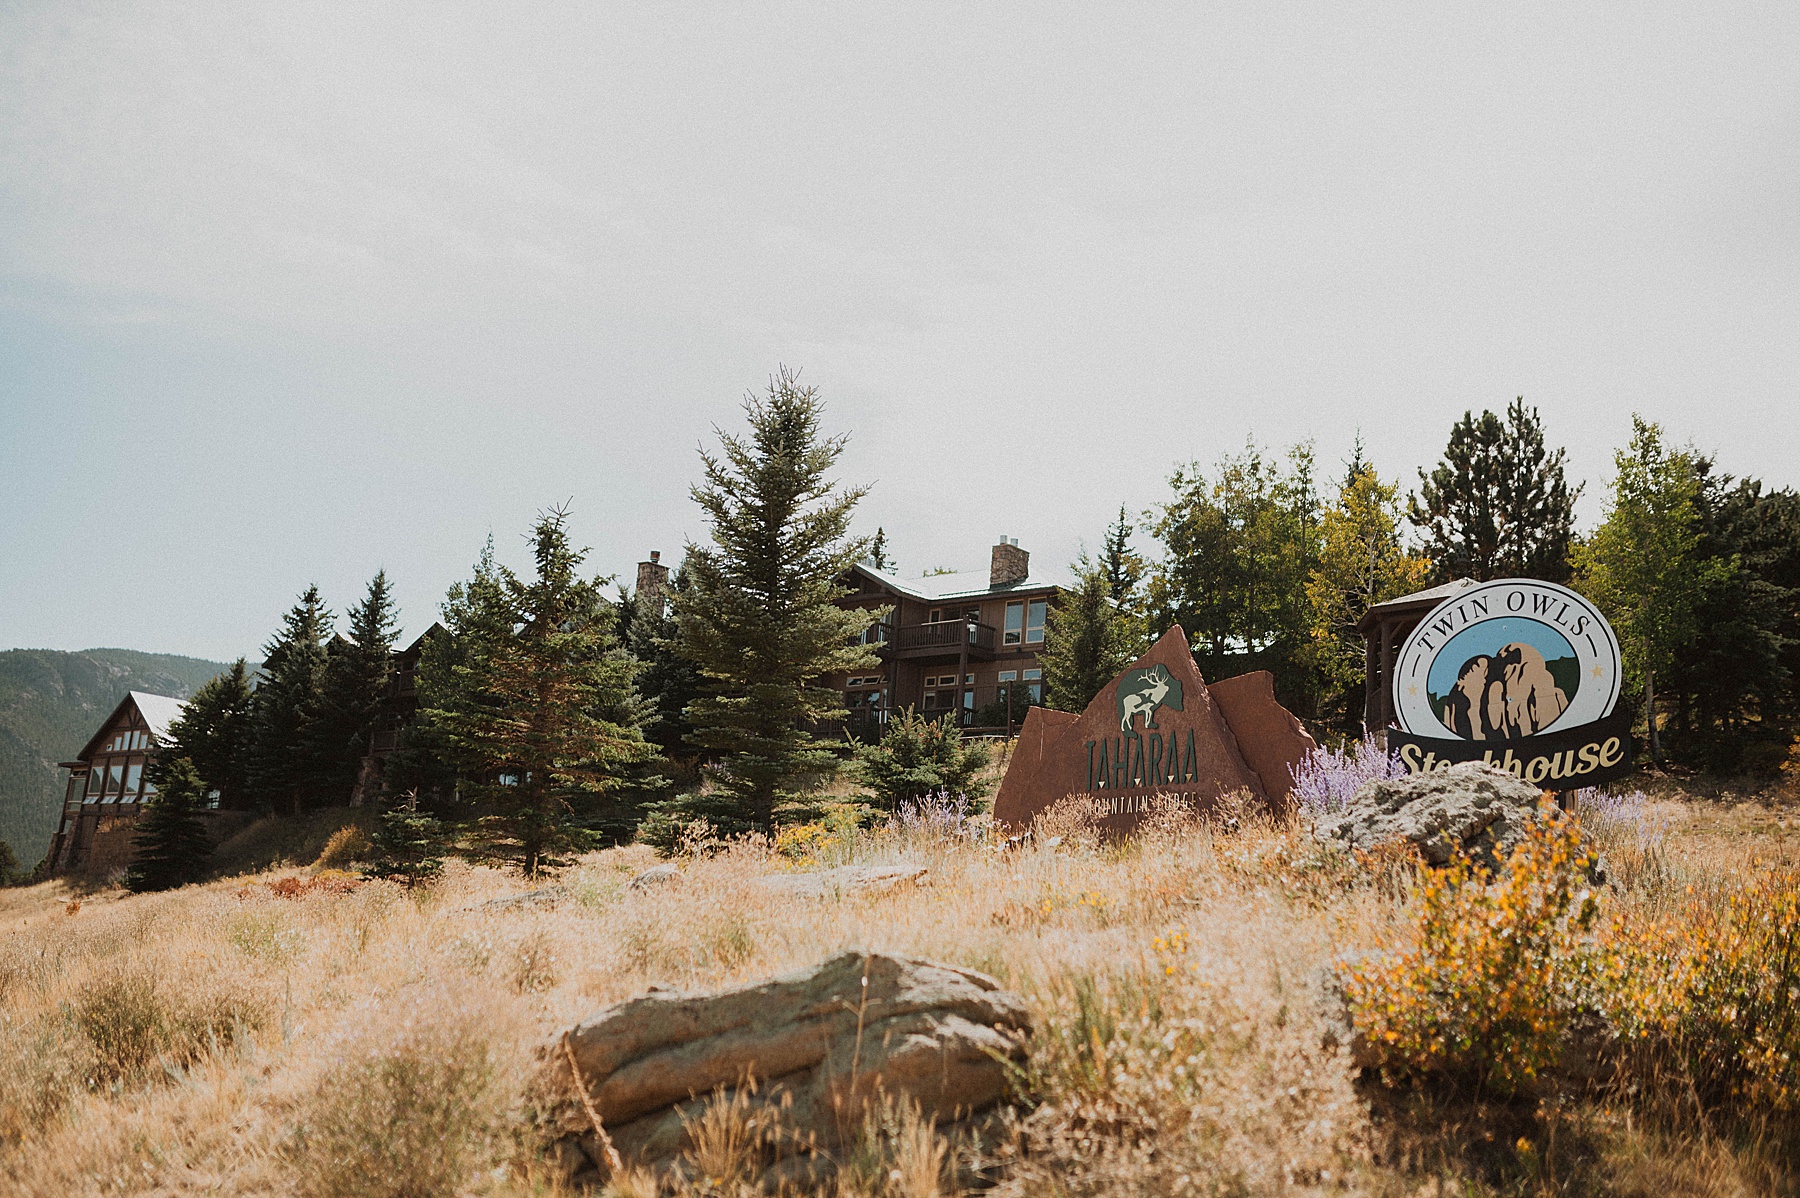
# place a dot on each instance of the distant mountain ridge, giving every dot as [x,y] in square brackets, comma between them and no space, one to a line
[50,703]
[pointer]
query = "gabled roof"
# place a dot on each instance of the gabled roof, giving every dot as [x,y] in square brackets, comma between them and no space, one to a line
[1423,600]
[970,584]
[159,711]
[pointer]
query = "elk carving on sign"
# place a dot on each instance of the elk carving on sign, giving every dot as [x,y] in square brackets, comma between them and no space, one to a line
[1141,692]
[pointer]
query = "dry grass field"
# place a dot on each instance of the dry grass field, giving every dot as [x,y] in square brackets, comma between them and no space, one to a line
[297,1032]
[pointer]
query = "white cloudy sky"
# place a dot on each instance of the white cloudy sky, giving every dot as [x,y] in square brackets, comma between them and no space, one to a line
[290,292]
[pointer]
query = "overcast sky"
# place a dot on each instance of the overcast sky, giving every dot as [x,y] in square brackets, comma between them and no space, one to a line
[292,292]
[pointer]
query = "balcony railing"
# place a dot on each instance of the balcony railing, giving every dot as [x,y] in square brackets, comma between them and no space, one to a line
[948,635]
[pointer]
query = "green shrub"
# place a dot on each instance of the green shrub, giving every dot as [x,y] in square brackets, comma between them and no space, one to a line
[347,845]
[919,756]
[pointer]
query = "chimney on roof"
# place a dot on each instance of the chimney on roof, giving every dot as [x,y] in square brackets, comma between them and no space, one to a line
[653,586]
[1009,563]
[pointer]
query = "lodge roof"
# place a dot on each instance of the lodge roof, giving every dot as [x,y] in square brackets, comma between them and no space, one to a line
[969,584]
[159,711]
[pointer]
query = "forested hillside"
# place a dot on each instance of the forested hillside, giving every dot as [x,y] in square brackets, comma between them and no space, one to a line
[50,703]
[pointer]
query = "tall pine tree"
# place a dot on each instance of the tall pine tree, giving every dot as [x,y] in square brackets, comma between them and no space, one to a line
[534,699]
[667,681]
[1498,505]
[1123,568]
[215,732]
[760,617]
[353,692]
[285,771]
[171,847]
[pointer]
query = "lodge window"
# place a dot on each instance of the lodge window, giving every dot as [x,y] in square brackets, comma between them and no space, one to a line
[936,616]
[96,782]
[134,773]
[1009,675]
[1034,622]
[1015,624]
[1036,680]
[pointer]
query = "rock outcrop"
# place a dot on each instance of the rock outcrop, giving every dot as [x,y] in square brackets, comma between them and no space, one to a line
[805,1052]
[1473,807]
[847,881]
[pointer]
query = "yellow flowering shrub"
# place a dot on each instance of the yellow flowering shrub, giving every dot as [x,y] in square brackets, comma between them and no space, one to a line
[1486,991]
[1717,980]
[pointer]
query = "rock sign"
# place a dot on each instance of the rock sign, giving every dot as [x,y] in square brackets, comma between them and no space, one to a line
[1157,729]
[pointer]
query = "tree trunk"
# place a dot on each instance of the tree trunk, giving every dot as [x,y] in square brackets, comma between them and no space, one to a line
[1650,699]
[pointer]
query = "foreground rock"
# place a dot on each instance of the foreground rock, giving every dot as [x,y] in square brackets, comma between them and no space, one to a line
[805,1052]
[1473,807]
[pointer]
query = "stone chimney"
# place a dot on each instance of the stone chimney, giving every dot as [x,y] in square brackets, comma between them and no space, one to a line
[653,586]
[1009,563]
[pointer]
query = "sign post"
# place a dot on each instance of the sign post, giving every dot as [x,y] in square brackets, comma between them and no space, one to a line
[1519,673]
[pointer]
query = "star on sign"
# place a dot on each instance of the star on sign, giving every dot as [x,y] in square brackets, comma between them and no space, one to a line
[1413,690]
[1598,671]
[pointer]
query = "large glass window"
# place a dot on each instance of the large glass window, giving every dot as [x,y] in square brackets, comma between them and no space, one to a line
[1014,632]
[1009,675]
[115,777]
[95,780]
[134,773]
[1034,622]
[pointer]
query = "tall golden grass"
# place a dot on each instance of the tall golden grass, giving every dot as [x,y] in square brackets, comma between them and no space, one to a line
[255,1037]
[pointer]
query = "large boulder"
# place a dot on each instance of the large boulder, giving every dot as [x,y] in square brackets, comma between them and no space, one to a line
[1473,807]
[805,1051]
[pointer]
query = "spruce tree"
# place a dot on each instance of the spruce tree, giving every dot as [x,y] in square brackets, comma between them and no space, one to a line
[667,681]
[284,770]
[878,553]
[10,873]
[919,756]
[353,692]
[171,847]
[538,706]
[1498,505]
[1123,568]
[760,617]
[1088,640]
[408,844]
[215,732]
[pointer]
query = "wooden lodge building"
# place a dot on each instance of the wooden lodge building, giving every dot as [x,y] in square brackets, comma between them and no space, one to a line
[107,789]
[954,643]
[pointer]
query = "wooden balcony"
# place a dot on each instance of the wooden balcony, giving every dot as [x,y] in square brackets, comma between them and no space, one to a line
[945,639]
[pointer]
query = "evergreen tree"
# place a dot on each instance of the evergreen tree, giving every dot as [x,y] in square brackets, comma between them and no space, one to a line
[284,769]
[538,707]
[171,847]
[1361,563]
[408,844]
[1498,505]
[10,873]
[1641,566]
[1237,551]
[353,693]
[667,681]
[1123,568]
[215,732]
[1088,640]
[1732,687]
[878,554]
[919,756]
[759,617]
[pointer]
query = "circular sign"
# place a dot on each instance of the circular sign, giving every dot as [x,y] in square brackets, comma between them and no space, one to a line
[1507,659]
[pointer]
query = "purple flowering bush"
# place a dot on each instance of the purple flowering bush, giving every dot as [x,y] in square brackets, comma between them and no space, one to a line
[1324,782]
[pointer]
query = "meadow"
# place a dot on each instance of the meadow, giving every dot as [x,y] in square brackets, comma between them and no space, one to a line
[300,1031]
